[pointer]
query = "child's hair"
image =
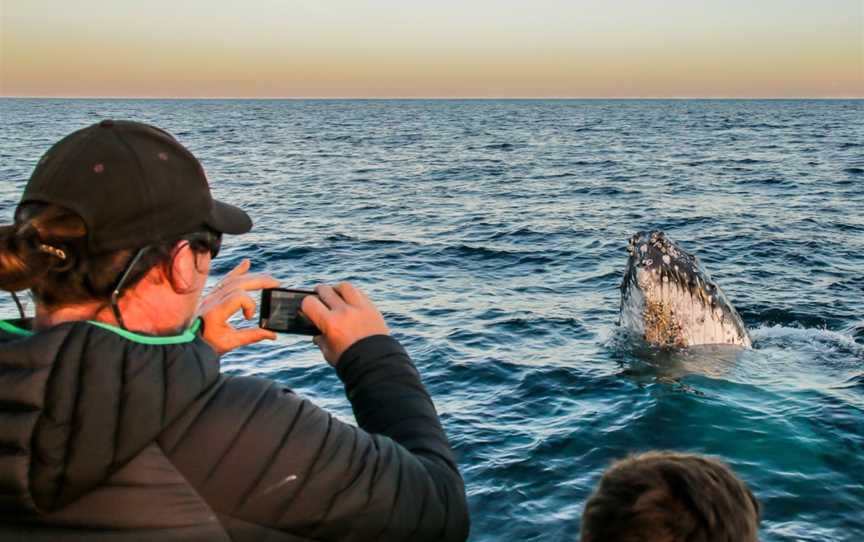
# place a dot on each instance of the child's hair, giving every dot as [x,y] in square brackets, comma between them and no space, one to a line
[670,497]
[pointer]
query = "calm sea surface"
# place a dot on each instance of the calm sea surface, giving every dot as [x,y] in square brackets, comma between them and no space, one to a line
[492,235]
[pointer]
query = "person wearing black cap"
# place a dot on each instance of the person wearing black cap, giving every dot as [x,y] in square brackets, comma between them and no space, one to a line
[116,422]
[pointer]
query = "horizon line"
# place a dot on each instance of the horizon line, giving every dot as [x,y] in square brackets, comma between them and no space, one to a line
[428,98]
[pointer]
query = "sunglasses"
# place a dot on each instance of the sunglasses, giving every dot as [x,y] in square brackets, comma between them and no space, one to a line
[209,241]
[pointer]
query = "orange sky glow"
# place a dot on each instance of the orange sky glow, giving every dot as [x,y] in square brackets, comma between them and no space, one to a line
[447,48]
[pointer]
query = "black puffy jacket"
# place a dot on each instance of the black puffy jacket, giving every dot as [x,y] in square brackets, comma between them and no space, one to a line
[106,435]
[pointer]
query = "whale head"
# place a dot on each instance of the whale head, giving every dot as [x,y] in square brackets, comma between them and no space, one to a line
[668,298]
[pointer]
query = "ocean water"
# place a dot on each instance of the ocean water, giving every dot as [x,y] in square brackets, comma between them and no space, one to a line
[492,235]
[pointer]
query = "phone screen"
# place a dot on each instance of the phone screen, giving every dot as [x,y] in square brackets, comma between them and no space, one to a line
[280,311]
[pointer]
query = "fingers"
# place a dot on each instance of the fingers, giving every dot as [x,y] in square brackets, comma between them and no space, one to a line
[253,282]
[332,299]
[344,315]
[239,278]
[240,269]
[315,310]
[329,296]
[246,282]
[248,305]
[230,304]
[351,294]
[219,332]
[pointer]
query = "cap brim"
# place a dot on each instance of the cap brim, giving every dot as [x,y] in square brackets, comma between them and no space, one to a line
[229,219]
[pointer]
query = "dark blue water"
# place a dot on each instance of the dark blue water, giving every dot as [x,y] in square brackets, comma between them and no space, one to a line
[492,235]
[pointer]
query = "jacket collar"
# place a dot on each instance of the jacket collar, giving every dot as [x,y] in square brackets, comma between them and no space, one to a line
[22,327]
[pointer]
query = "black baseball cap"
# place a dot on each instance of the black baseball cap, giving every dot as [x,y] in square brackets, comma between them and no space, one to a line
[133,184]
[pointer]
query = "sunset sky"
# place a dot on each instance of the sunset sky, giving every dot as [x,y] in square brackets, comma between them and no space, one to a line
[440,48]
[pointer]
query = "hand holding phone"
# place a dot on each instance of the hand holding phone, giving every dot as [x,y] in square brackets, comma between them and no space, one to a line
[281,311]
[344,315]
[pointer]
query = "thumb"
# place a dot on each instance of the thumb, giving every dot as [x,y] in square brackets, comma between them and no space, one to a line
[242,337]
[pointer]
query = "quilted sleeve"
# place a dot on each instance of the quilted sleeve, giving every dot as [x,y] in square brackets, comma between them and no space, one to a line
[261,455]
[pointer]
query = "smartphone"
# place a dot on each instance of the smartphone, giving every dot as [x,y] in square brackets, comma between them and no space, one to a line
[280,311]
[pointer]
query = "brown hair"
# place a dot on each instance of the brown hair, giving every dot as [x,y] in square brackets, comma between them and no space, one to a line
[46,252]
[670,497]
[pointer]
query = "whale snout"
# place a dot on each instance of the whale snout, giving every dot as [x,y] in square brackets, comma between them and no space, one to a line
[654,251]
[668,297]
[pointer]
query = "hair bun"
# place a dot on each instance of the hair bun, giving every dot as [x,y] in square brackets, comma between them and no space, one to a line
[15,272]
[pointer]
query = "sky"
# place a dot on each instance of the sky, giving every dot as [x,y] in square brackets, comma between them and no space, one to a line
[432,49]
